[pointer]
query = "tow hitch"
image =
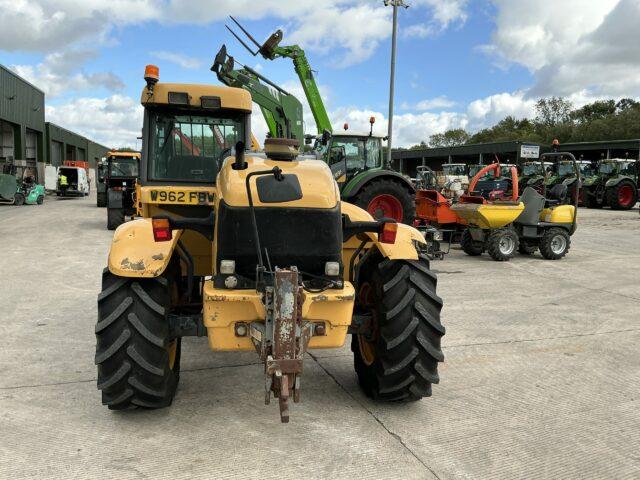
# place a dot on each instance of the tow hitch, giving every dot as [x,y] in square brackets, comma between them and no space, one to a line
[282,340]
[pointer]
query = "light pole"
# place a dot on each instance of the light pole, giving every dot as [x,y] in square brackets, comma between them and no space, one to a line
[395,4]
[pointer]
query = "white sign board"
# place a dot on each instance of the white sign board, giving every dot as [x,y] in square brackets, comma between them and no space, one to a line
[529,151]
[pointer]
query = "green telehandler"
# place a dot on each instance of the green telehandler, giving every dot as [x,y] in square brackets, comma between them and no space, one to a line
[356,159]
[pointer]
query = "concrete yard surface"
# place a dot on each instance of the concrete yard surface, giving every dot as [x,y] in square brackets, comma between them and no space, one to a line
[541,378]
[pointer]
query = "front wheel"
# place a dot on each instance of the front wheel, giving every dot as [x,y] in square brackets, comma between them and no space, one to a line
[18,199]
[40,199]
[502,244]
[555,244]
[115,218]
[138,362]
[622,196]
[387,198]
[396,357]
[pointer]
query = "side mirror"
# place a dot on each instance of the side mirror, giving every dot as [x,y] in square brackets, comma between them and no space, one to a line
[326,136]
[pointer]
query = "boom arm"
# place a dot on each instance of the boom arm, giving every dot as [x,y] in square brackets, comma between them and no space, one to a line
[281,110]
[271,50]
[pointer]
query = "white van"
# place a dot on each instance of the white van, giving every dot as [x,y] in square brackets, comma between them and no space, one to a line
[77,182]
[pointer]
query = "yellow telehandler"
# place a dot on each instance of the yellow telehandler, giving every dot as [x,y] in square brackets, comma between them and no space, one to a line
[255,252]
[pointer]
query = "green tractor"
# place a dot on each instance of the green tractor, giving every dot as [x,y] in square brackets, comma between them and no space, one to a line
[614,185]
[355,159]
[19,184]
[532,174]
[564,174]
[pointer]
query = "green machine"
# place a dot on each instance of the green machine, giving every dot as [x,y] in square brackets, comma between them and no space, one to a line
[356,159]
[19,184]
[614,185]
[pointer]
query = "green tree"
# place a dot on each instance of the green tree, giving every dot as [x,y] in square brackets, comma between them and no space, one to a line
[553,111]
[450,138]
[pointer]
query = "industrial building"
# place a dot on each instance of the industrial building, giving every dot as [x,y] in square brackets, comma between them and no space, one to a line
[406,161]
[24,134]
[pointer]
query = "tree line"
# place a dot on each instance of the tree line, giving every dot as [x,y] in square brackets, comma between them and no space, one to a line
[555,118]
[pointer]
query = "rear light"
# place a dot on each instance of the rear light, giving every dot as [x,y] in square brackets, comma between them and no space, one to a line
[332,269]
[388,233]
[228,267]
[161,229]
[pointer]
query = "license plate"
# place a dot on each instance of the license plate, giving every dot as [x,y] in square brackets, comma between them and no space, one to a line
[185,197]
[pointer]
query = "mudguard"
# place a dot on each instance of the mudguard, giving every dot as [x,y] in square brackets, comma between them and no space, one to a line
[612,182]
[402,249]
[356,183]
[114,198]
[134,252]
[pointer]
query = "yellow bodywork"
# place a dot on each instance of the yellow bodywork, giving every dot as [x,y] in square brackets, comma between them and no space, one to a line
[230,98]
[134,253]
[559,214]
[488,216]
[116,153]
[224,308]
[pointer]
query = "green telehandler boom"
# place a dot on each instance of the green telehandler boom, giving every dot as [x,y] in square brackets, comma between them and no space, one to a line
[281,110]
[356,160]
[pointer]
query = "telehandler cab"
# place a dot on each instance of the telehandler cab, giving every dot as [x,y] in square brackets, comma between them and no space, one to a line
[255,253]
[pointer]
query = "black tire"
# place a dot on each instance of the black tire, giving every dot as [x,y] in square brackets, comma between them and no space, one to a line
[406,312]
[40,199]
[590,201]
[612,195]
[549,247]
[101,199]
[18,199]
[115,218]
[469,245]
[388,187]
[502,244]
[133,345]
[526,248]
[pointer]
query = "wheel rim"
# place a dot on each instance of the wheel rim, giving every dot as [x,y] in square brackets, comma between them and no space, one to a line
[625,195]
[367,346]
[385,206]
[506,245]
[558,244]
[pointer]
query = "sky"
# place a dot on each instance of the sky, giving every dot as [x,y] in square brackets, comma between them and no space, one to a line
[460,63]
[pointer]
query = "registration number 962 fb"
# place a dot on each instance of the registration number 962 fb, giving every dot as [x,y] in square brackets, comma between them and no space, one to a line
[188,197]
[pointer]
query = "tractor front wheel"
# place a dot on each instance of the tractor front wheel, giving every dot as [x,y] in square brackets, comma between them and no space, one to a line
[502,244]
[622,196]
[115,218]
[40,199]
[555,244]
[138,363]
[387,198]
[18,199]
[396,357]
[469,245]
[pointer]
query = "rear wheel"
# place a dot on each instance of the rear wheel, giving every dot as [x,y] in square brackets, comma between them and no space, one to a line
[18,199]
[138,363]
[469,245]
[40,199]
[115,218]
[387,198]
[622,196]
[555,244]
[101,199]
[396,359]
[502,244]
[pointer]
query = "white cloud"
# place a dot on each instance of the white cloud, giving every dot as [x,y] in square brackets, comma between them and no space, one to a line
[571,47]
[114,121]
[440,102]
[179,59]
[490,110]
[59,74]
[442,15]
